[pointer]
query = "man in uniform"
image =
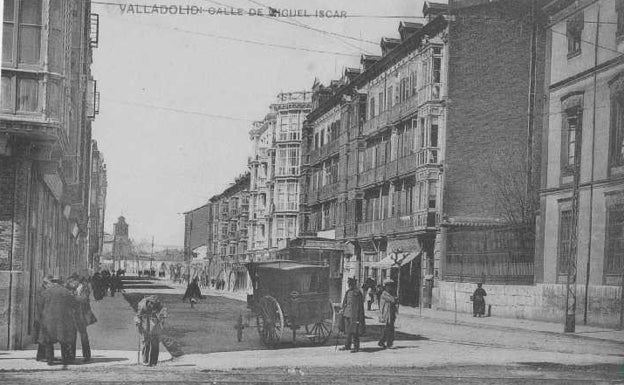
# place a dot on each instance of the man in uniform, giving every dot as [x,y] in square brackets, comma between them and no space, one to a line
[353,313]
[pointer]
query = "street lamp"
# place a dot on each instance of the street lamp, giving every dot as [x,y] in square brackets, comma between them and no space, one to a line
[397,260]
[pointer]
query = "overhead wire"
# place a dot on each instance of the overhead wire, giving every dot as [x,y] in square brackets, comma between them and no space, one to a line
[179,110]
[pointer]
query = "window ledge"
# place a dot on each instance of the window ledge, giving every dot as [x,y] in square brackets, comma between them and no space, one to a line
[574,54]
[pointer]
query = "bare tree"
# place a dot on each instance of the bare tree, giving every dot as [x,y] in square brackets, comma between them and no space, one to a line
[514,189]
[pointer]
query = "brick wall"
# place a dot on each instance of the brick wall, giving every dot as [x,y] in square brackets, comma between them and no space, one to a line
[488,86]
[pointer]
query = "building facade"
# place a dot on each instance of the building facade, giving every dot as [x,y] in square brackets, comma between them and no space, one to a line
[402,158]
[228,235]
[373,159]
[584,132]
[261,167]
[275,167]
[97,209]
[48,102]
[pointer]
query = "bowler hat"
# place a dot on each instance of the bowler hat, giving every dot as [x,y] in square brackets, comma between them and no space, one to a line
[388,282]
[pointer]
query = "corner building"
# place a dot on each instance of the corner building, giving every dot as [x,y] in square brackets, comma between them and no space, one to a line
[275,168]
[584,128]
[401,155]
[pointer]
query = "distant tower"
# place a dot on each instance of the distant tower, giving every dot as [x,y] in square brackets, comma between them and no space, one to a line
[121,243]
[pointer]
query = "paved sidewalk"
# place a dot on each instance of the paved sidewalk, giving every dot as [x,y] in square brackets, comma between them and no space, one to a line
[582,331]
[113,339]
[466,319]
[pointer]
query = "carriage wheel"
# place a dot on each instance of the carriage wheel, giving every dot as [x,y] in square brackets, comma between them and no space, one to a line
[270,321]
[319,332]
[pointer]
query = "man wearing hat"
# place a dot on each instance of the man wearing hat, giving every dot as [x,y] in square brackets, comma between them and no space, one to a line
[387,314]
[353,313]
[55,315]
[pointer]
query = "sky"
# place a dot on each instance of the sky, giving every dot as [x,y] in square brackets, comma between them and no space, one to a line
[179,93]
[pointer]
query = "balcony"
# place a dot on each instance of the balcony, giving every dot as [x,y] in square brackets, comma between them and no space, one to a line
[418,221]
[431,92]
[322,193]
[423,157]
[404,165]
[324,152]
[287,206]
[390,116]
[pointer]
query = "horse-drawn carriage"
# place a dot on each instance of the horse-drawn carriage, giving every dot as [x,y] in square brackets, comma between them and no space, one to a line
[294,295]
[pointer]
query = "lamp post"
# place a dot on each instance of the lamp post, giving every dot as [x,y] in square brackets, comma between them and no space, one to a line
[397,260]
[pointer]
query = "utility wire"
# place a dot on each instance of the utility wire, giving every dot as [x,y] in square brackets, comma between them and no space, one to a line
[216,36]
[293,22]
[320,30]
[179,110]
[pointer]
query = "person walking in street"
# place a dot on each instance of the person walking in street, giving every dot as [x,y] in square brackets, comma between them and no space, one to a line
[83,315]
[353,313]
[193,293]
[387,314]
[378,292]
[478,301]
[55,311]
[150,320]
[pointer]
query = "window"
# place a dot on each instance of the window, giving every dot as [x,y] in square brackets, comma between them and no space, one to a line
[565,228]
[54,100]
[433,134]
[574,32]
[288,161]
[433,192]
[619,9]
[389,99]
[289,127]
[27,94]
[405,90]
[571,131]
[29,31]
[372,108]
[616,141]
[7,94]
[380,97]
[8,27]
[437,64]
[55,41]
[614,241]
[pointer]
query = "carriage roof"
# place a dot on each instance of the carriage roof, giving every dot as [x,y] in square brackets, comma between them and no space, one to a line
[284,265]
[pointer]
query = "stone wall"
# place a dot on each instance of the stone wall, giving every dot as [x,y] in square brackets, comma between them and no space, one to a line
[544,302]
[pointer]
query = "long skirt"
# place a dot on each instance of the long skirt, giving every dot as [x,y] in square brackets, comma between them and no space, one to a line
[478,307]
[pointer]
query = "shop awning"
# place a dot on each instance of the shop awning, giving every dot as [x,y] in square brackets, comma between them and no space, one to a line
[389,262]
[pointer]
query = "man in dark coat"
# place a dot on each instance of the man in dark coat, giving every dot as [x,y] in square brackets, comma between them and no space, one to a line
[387,314]
[353,313]
[55,312]
[83,316]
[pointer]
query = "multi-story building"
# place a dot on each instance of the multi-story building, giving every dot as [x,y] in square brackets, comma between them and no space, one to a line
[48,102]
[98,206]
[582,200]
[399,157]
[260,188]
[275,172]
[196,231]
[228,238]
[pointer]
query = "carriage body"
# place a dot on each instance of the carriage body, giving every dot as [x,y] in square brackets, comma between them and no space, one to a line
[294,295]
